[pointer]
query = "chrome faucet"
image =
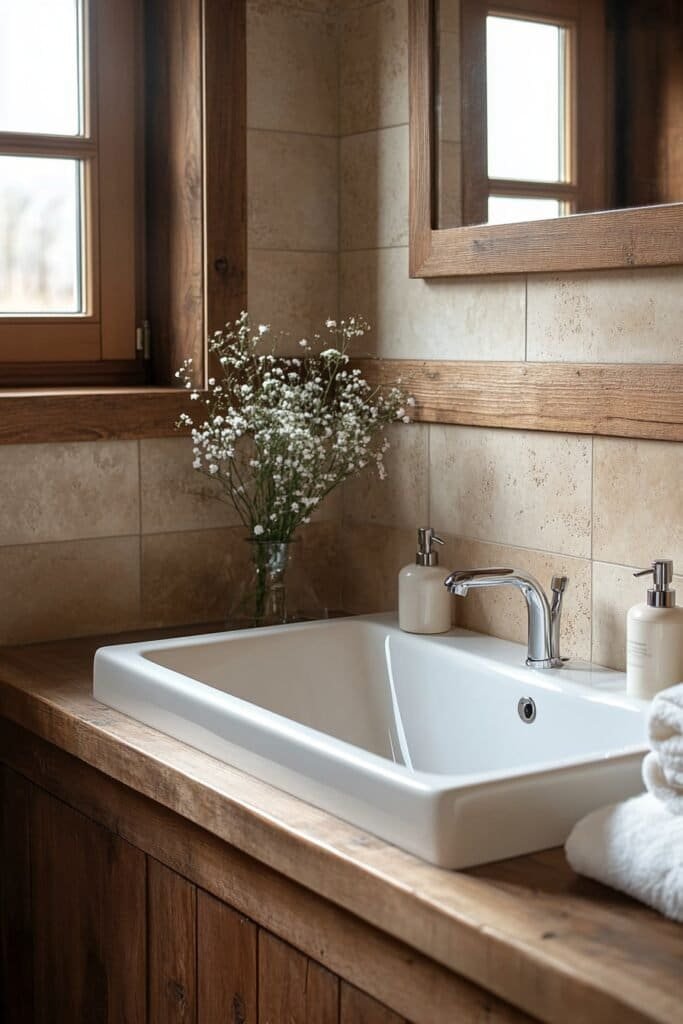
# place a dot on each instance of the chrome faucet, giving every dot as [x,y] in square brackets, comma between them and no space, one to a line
[543,647]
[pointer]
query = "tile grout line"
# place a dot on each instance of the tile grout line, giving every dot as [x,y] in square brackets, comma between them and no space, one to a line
[429,474]
[525,317]
[294,252]
[207,529]
[592,512]
[344,582]
[374,131]
[292,131]
[140,530]
[304,9]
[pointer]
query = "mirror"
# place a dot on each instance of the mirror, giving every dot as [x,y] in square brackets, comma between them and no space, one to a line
[547,108]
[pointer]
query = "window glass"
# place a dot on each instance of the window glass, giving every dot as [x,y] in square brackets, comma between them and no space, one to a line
[525,99]
[517,209]
[40,235]
[41,67]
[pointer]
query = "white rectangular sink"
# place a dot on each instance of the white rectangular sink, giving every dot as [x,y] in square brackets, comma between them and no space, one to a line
[420,740]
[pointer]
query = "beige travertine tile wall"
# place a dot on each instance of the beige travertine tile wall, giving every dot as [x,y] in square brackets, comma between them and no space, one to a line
[592,508]
[100,537]
[293,161]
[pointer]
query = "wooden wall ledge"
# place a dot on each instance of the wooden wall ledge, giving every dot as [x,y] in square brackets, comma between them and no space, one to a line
[639,400]
[88,414]
[614,400]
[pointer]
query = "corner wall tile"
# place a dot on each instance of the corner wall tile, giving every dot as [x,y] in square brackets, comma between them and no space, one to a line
[374,189]
[73,588]
[175,496]
[402,498]
[373,557]
[638,501]
[294,292]
[522,488]
[59,492]
[294,46]
[435,319]
[292,191]
[616,316]
[374,66]
[189,577]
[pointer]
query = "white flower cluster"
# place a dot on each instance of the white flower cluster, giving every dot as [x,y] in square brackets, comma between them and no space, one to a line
[280,434]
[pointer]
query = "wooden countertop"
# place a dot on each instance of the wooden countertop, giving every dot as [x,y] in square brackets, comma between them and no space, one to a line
[528,929]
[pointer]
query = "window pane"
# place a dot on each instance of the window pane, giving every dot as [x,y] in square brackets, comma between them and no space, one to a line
[517,209]
[524,73]
[40,66]
[40,235]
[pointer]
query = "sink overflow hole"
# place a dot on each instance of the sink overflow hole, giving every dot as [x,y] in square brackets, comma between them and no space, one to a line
[526,709]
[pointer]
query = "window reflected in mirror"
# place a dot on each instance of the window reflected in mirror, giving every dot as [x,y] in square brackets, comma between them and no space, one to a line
[547,108]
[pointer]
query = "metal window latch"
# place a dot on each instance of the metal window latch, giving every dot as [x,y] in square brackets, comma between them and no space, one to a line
[143,340]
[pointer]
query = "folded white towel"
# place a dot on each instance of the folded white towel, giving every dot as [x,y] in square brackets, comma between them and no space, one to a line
[665,729]
[636,847]
[658,784]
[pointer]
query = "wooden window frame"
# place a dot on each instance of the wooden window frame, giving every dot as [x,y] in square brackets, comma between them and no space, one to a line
[195,178]
[640,237]
[585,186]
[100,341]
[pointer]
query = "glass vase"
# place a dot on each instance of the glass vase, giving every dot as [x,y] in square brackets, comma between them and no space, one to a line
[276,588]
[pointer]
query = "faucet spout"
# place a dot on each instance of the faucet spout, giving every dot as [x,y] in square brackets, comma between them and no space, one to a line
[543,647]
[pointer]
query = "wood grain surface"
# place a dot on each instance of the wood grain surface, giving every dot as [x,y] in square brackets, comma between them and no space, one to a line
[610,399]
[30,417]
[227,965]
[89,938]
[640,237]
[172,942]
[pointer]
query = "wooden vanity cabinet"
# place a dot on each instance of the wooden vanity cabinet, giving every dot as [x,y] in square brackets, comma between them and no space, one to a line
[95,931]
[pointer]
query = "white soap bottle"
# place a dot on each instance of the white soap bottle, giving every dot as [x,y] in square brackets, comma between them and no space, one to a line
[424,604]
[654,636]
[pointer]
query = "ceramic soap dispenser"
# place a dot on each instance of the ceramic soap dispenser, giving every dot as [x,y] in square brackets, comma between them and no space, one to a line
[654,636]
[424,604]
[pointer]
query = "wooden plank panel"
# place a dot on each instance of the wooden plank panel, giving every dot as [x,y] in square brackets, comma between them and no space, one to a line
[358,1008]
[171,924]
[174,172]
[225,156]
[226,964]
[31,417]
[614,400]
[88,919]
[16,942]
[74,341]
[414,986]
[294,988]
[118,68]
[124,373]
[572,951]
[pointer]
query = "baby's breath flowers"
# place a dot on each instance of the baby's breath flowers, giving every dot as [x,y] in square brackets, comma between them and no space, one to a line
[278,434]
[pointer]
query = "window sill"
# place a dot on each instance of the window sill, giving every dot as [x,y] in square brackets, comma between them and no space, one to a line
[38,416]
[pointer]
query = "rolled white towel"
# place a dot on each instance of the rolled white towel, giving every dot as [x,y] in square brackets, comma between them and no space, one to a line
[658,784]
[636,847]
[665,731]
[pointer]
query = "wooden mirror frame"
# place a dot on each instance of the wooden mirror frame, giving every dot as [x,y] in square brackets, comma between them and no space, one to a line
[641,237]
[637,400]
